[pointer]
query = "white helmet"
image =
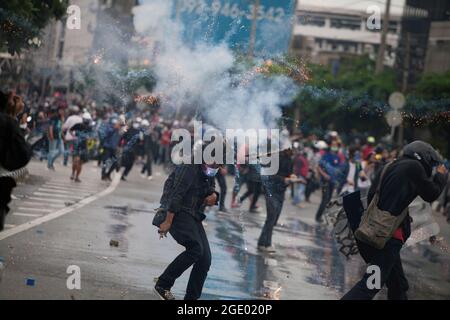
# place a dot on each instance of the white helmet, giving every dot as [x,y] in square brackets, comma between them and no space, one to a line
[86,116]
[320,145]
[145,123]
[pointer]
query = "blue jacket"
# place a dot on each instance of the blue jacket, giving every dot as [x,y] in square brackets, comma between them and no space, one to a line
[111,139]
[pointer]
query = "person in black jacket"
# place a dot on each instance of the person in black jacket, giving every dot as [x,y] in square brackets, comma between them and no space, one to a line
[15,153]
[419,172]
[275,188]
[131,139]
[189,189]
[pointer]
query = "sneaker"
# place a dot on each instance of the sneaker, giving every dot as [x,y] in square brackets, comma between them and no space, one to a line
[269,249]
[77,180]
[254,210]
[123,178]
[72,177]
[164,294]
[150,178]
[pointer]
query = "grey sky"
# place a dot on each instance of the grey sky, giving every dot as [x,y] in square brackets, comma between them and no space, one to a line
[396,5]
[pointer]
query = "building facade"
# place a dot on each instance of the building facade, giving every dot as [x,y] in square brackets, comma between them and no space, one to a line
[423,45]
[323,36]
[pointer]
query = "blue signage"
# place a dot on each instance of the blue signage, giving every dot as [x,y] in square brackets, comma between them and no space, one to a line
[233,22]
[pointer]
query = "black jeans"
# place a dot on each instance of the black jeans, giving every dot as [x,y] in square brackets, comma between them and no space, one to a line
[327,193]
[189,233]
[109,162]
[274,204]
[391,269]
[6,187]
[254,190]
[223,189]
[148,163]
[128,162]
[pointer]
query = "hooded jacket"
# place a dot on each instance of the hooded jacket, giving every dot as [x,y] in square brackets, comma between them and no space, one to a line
[405,179]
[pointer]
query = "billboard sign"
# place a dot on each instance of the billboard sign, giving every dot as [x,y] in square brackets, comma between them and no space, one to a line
[233,22]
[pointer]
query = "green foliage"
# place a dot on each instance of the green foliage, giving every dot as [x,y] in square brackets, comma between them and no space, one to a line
[24,20]
[434,86]
[352,98]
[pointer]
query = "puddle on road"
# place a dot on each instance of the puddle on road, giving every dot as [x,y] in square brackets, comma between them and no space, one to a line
[312,248]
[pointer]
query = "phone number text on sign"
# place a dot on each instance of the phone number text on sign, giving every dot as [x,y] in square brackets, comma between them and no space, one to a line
[230,10]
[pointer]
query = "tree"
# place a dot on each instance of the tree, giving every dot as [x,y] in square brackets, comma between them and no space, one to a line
[352,98]
[429,105]
[22,22]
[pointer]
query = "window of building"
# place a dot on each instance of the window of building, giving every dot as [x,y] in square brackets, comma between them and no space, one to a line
[311,20]
[346,23]
[393,25]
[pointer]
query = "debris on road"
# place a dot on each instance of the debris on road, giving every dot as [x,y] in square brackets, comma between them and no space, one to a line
[114,243]
[30,282]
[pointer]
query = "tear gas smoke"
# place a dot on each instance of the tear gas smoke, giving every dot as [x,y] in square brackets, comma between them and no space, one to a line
[208,77]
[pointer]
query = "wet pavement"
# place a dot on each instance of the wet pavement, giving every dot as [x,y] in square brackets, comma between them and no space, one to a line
[307,264]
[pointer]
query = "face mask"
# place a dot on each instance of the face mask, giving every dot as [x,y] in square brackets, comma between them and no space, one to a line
[210,172]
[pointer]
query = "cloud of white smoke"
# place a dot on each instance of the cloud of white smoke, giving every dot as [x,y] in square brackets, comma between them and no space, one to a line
[199,76]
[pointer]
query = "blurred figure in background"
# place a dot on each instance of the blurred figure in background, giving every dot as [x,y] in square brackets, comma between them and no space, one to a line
[301,170]
[220,176]
[368,148]
[110,143]
[55,140]
[329,174]
[73,119]
[15,153]
[131,140]
[148,149]
[275,189]
[81,132]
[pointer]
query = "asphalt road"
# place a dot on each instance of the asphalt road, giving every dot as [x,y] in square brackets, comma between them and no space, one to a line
[56,223]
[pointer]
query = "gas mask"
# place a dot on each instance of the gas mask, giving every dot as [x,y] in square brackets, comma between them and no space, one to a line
[210,172]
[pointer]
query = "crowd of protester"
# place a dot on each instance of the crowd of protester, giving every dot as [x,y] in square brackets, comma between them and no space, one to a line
[81,130]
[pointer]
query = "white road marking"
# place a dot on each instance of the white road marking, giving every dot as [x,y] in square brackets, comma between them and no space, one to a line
[53,191]
[68,187]
[53,205]
[47,200]
[35,209]
[23,227]
[57,195]
[33,215]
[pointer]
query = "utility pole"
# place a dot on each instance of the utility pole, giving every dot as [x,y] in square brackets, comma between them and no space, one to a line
[251,49]
[380,59]
[291,42]
[406,66]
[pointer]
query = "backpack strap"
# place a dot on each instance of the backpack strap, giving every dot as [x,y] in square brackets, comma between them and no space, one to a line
[382,176]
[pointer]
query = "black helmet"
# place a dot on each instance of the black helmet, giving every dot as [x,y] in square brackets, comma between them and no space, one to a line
[424,153]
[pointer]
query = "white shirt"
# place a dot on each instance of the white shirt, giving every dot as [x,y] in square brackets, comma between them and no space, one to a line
[70,122]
